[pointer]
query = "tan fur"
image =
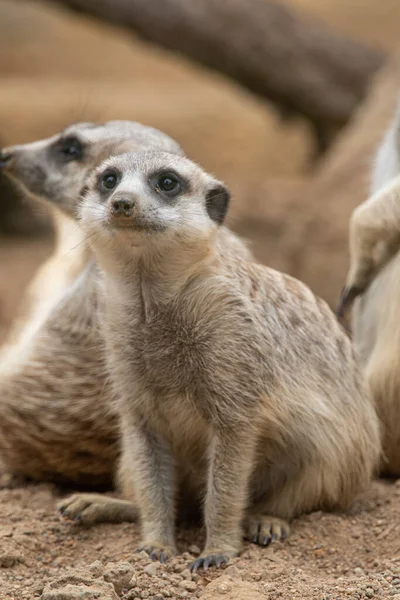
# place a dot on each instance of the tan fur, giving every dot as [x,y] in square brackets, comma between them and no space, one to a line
[55,423]
[374,274]
[231,379]
[50,282]
[377,339]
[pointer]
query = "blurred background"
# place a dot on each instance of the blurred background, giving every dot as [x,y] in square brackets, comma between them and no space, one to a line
[284,100]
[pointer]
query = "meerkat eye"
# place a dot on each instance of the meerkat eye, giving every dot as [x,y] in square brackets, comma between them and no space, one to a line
[109,180]
[70,149]
[168,184]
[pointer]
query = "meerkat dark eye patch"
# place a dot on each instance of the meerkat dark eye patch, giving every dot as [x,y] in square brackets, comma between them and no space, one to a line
[108,180]
[168,184]
[69,149]
[217,202]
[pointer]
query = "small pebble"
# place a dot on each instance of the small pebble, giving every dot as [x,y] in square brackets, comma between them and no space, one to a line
[233,572]
[190,586]
[96,569]
[186,574]
[151,569]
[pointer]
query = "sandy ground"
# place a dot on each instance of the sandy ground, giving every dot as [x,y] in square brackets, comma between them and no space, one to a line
[327,556]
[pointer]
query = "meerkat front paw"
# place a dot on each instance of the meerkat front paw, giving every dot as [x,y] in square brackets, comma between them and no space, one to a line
[212,558]
[263,529]
[157,551]
[95,508]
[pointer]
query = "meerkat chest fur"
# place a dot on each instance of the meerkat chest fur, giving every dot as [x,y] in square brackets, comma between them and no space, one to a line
[186,348]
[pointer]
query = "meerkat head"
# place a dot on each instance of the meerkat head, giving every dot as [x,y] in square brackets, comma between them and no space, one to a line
[54,169]
[151,197]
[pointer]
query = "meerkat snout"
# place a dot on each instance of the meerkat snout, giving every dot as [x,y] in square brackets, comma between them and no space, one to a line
[122,207]
[120,204]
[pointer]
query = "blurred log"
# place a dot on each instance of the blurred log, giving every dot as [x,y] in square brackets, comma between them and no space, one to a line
[297,62]
[301,226]
[341,183]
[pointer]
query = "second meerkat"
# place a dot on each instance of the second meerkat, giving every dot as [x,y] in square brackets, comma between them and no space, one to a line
[55,417]
[232,379]
[373,283]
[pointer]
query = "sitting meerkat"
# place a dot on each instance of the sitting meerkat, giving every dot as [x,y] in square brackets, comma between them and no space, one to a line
[55,420]
[373,282]
[231,379]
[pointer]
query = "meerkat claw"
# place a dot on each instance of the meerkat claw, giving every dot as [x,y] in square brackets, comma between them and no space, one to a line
[155,552]
[72,507]
[267,540]
[162,557]
[264,529]
[205,562]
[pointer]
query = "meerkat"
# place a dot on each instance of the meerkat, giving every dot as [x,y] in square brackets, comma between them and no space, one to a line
[231,379]
[372,284]
[55,422]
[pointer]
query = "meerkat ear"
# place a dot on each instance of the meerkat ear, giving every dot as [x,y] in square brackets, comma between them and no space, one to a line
[217,202]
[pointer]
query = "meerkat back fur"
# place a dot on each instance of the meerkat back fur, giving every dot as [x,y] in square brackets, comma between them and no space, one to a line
[231,379]
[373,282]
[55,419]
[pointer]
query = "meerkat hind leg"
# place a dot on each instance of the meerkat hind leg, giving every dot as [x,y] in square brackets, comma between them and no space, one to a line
[95,508]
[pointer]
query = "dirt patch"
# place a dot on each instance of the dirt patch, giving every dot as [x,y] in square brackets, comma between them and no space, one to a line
[327,557]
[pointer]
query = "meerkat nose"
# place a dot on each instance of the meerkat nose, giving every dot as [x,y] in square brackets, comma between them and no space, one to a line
[5,157]
[122,208]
